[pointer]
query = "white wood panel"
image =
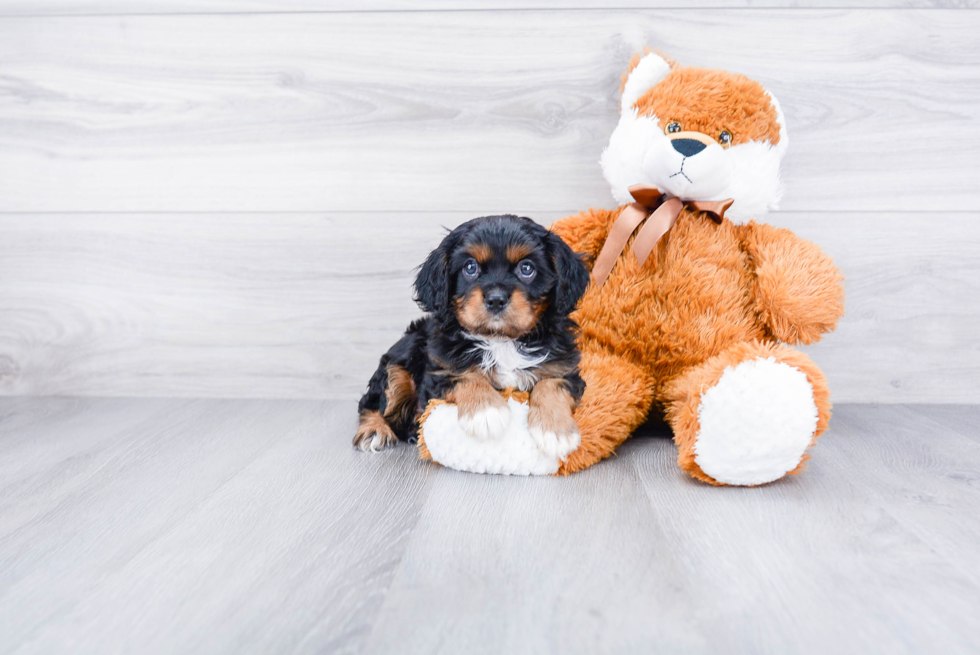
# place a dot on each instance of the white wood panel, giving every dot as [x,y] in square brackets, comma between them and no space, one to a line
[131,7]
[302,305]
[461,110]
[912,303]
[260,305]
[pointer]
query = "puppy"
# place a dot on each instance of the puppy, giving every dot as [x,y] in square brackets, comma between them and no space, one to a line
[498,291]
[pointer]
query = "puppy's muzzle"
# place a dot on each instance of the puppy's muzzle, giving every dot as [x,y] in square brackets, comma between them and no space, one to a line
[496,300]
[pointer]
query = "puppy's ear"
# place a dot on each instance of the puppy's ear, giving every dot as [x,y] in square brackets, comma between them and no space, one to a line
[573,276]
[432,281]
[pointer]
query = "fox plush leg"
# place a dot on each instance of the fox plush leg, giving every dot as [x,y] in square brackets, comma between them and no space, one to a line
[617,397]
[748,415]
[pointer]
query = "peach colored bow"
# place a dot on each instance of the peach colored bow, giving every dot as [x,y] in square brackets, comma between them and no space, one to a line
[660,213]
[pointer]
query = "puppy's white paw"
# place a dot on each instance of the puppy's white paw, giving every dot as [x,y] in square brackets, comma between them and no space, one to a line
[374,434]
[374,442]
[557,445]
[486,423]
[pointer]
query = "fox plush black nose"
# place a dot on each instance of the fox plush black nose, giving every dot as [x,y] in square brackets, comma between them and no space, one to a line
[687,147]
[495,300]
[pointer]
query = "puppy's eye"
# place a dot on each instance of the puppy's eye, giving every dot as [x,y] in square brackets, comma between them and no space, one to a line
[672,126]
[526,270]
[471,268]
[725,138]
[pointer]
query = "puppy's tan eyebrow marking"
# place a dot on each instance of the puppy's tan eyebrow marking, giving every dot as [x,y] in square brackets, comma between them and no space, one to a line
[481,252]
[518,251]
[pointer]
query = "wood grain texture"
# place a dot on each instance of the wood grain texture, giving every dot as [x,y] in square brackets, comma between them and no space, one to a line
[198,305]
[253,527]
[135,7]
[360,111]
[209,527]
[856,592]
[553,565]
[297,305]
[964,419]
[927,466]
[66,459]
[912,301]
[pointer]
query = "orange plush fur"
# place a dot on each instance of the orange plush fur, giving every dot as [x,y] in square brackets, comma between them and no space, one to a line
[656,336]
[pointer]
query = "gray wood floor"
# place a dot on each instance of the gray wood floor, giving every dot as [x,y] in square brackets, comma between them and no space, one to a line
[239,526]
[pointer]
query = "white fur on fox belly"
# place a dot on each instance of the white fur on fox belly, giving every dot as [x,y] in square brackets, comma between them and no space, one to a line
[506,362]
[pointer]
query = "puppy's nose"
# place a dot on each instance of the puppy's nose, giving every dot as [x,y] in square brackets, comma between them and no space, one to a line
[687,147]
[495,300]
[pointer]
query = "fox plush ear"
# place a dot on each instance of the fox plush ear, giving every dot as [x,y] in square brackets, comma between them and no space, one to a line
[642,77]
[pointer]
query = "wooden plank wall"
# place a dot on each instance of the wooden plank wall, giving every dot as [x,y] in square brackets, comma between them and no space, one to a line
[226,199]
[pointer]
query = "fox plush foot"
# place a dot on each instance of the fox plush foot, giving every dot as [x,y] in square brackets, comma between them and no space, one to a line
[442,438]
[748,415]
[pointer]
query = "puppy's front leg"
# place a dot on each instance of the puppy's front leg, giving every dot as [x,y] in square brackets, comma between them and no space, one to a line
[550,419]
[483,412]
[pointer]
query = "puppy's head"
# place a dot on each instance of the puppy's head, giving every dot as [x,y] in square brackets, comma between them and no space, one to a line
[501,276]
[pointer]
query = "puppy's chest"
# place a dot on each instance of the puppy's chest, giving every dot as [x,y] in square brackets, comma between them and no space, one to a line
[507,364]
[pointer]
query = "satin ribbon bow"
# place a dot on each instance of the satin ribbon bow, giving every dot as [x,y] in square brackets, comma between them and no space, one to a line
[660,213]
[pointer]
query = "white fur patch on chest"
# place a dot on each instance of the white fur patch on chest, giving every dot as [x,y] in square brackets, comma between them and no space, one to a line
[506,362]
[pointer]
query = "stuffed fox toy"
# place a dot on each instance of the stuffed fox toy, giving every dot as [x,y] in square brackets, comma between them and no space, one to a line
[693,307]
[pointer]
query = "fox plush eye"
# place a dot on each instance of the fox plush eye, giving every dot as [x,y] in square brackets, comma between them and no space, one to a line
[672,126]
[725,138]
[526,270]
[471,268]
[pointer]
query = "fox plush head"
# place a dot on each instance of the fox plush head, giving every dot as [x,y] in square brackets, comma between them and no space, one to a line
[697,134]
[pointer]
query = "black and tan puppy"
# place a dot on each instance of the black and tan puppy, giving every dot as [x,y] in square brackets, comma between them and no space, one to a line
[498,291]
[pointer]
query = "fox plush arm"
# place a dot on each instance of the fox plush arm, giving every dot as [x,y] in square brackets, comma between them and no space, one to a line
[798,291]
